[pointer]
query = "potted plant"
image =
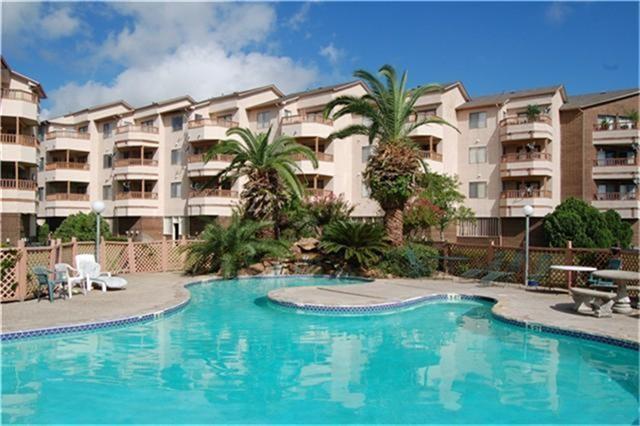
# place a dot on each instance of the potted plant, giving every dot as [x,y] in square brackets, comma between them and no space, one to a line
[633,117]
[604,124]
[533,112]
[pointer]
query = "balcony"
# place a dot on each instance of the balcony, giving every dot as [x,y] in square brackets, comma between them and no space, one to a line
[314,126]
[66,203]
[67,171]
[209,129]
[326,166]
[211,202]
[19,103]
[615,134]
[20,148]
[626,204]
[433,159]
[65,196]
[526,164]
[615,168]
[512,202]
[135,168]
[18,196]
[67,140]
[197,167]
[516,128]
[433,130]
[134,135]
[135,203]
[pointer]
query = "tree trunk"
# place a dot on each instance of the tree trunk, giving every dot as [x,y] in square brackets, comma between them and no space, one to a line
[393,223]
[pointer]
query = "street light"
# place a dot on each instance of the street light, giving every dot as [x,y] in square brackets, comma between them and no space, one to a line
[528,211]
[97,207]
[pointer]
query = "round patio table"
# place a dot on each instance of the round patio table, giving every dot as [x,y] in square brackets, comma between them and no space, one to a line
[619,278]
[571,269]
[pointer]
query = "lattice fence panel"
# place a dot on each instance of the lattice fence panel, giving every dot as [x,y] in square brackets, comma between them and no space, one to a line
[36,257]
[8,275]
[472,257]
[540,261]
[509,260]
[66,253]
[148,257]
[86,248]
[175,255]
[116,258]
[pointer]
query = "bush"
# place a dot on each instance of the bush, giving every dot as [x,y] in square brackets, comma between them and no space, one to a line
[353,245]
[43,234]
[411,261]
[82,226]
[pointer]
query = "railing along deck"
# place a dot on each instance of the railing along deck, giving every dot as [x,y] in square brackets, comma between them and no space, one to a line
[515,157]
[136,128]
[319,192]
[321,156]
[627,161]
[431,155]
[67,165]
[25,140]
[514,120]
[66,196]
[19,95]
[213,192]
[71,134]
[199,158]
[614,126]
[201,122]
[124,162]
[293,119]
[523,193]
[616,196]
[25,184]
[136,195]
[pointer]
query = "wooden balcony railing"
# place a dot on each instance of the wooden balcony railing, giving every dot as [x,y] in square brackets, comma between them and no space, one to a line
[136,128]
[421,116]
[528,156]
[199,158]
[626,161]
[71,134]
[315,118]
[19,95]
[598,127]
[617,196]
[25,140]
[213,192]
[513,120]
[24,184]
[67,165]
[136,195]
[315,192]
[201,122]
[431,155]
[523,193]
[321,156]
[124,162]
[66,196]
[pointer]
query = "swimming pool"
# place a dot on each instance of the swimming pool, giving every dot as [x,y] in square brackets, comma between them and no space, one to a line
[230,357]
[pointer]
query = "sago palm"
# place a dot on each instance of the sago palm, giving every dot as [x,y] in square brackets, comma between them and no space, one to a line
[353,244]
[269,167]
[387,111]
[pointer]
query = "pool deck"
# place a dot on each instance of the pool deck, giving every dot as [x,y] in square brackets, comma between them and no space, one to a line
[154,292]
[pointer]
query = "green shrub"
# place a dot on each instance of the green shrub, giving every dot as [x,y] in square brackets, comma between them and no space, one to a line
[82,226]
[411,260]
[43,233]
[353,245]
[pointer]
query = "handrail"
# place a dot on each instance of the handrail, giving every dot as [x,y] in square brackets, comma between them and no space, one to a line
[314,118]
[67,165]
[523,193]
[513,120]
[201,122]
[321,156]
[614,126]
[136,128]
[617,196]
[19,95]
[25,140]
[72,134]
[124,162]
[136,195]
[66,196]
[527,156]
[431,155]
[18,184]
[199,158]
[213,192]
[626,161]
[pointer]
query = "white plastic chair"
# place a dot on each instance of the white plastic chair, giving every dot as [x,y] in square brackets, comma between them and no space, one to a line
[90,270]
[67,274]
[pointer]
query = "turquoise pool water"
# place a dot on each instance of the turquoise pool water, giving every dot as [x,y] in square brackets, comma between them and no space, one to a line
[229,357]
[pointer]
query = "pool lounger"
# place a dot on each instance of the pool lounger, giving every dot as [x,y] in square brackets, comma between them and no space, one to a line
[112,283]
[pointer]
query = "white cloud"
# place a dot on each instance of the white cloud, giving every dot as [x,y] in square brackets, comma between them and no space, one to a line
[300,17]
[332,53]
[557,12]
[59,23]
[24,20]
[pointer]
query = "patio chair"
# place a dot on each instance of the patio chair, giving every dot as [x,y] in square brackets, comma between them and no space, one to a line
[42,275]
[615,264]
[512,269]
[66,274]
[496,263]
[89,269]
[540,270]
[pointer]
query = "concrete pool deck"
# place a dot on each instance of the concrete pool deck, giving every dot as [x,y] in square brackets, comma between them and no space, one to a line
[154,292]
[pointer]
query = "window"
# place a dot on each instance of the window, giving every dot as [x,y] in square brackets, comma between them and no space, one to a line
[107,194]
[366,153]
[106,130]
[176,157]
[176,189]
[176,123]
[264,118]
[40,194]
[83,129]
[479,227]
[364,190]
[477,120]
[147,124]
[478,155]
[107,161]
[41,164]
[477,189]
[226,118]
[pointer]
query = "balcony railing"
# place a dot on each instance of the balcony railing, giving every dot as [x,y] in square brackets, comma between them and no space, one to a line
[25,140]
[136,128]
[18,184]
[199,158]
[626,161]
[124,162]
[314,192]
[421,116]
[614,126]
[67,165]
[617,196]
[136,195]
[513,120]
[431,155]
[321,156]
[523,193]
[72,134]
[213,192]
[19,95]
[293,119]
[66,196]
[528,156]
[201,122]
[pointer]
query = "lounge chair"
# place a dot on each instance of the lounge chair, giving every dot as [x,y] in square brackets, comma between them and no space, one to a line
[42,275]
[512,269]
[495,264]
[615,264]
[66,274]
[89,269]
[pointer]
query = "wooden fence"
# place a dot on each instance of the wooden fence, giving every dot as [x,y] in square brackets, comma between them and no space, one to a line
[118,257]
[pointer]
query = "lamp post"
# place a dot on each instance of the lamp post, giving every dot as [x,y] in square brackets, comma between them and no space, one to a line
[97,207]
[528,211]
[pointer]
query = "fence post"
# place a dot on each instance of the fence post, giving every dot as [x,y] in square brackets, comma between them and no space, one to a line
[165,254]
[53,249]
[21,270]
[183,253]
[490,251]
[568,260]
[74,251]
[131,255]
[103,254]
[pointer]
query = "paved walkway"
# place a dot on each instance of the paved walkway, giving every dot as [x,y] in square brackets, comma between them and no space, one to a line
[148,293]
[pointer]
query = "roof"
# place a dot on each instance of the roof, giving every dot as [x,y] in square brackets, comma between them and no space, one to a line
[502,98]
[35,83]
[245,93]
[592,99]
[167,102]
[310,92]
[452,85]
[98,107]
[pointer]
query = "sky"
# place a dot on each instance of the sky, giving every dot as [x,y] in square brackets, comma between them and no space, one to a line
[88,53]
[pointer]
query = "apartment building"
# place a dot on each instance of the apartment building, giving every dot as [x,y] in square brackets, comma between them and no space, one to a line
[19,107]
[601,149]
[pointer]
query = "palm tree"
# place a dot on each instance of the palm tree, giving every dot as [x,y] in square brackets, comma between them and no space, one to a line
[353,244]
[270,169]
[388,112]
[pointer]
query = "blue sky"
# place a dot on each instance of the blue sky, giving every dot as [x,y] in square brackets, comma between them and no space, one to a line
[89,53]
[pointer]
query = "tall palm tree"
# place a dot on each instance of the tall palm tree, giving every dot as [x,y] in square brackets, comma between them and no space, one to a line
[269,167]
[387,112]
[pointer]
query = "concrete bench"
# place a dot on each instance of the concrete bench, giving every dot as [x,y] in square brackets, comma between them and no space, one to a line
[599,301]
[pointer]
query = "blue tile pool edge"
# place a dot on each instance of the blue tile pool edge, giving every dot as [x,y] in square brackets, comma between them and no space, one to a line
[394,306]
[136,319]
